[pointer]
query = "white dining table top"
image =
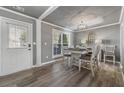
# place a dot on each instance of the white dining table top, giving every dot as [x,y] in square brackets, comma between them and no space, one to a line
[77,51]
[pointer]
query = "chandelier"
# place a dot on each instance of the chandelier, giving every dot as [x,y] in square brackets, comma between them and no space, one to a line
[82,25]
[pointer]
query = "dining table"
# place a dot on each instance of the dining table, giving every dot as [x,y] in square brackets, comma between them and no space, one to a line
[76,53]
[80,51]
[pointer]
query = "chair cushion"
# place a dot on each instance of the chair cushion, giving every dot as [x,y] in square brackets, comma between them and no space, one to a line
[90,53]
[67,55]
[86,57]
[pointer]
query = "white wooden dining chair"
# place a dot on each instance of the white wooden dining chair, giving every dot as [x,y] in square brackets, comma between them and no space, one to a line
[67,57]
[109,51]
[90,59]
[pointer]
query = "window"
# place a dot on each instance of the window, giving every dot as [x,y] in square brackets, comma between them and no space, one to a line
[57,43]
[65,39]
[17,36]
[60,40]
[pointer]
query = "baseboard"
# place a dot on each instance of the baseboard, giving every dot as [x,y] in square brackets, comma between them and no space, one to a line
[48,62]
[45,63]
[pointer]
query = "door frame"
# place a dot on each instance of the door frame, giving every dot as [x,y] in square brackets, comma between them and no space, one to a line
[2,19]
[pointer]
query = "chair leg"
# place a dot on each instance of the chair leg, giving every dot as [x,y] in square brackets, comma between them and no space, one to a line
[100,57]
[113,60]
[63,58]
[69,61]
[98,60]
[92,70]
[79,65]
[66,61]
[104,58]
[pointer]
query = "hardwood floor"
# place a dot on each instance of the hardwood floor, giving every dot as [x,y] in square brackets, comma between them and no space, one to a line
[58,75]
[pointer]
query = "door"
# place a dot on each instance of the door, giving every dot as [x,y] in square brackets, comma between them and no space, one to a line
[16,46]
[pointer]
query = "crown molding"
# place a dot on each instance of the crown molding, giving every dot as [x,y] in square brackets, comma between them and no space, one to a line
[48,12]
[99,27]
[121,15]
[5,9]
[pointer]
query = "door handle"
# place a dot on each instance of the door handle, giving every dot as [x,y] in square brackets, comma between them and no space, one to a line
[29,46]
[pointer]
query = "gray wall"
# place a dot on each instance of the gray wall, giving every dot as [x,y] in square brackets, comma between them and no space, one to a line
[25,19]
[46,36]
[109,33]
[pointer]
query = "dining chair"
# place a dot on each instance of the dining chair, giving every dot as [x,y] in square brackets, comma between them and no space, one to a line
[90,60]
[67,57]
[109,51]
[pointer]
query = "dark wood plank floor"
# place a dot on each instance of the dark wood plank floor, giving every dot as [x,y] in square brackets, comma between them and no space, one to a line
[58,75]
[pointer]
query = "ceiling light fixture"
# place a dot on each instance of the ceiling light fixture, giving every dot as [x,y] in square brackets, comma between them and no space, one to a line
[82,25]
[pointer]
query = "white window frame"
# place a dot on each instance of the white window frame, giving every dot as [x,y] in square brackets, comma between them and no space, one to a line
[16,29]
[69,41]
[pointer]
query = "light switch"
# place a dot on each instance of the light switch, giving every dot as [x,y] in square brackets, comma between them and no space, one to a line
[47,57]
[45,43]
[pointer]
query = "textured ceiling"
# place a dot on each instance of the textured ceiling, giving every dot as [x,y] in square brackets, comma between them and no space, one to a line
[71,16]
[34,11]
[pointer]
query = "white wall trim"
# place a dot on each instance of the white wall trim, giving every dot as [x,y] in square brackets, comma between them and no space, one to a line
[5,9]
[99,27]
[57,26]
[49,62]
[38,42]
[48,12]
[121,15]
[10,19]
[45,63]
